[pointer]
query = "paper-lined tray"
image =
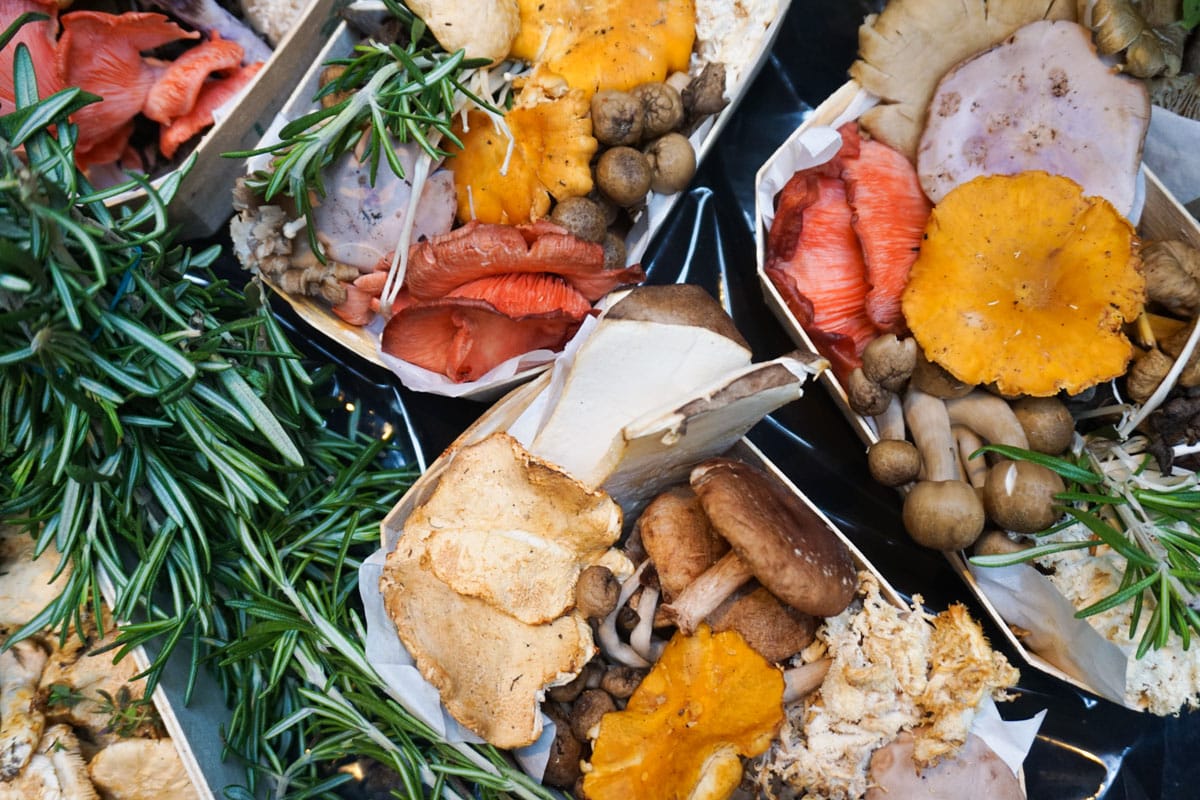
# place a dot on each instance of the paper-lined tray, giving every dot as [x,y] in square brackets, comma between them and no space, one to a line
[364,341]
[1037,620]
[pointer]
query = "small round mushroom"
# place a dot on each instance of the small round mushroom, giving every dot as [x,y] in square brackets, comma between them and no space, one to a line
[889,361]
[567,692]
[932,379]
[865,396]
[566,751]
[587,710]
[705,94]
[621,681]
[774,537]
[672,163]
[894,462]
[1019,496]
[581,217]
[1047,423]
[614,251]
[998,543]
[596,592]
[624,175]
[662,108]
[617,117]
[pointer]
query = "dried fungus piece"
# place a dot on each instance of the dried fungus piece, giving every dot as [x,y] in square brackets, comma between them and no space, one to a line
[1024,282]
[905,50]
[709,701]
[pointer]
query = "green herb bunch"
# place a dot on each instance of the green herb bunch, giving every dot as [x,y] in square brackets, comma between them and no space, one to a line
[383,94]
[1149,521]
[160,431]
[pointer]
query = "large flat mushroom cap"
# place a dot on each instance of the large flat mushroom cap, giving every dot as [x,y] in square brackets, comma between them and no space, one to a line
[786,545]
[1041,100]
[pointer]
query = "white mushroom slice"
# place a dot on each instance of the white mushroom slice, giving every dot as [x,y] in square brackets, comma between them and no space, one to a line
[21,722]
[1041,100]
[485,29]
[62,748]
[141,769]
[29,584]
[37,781]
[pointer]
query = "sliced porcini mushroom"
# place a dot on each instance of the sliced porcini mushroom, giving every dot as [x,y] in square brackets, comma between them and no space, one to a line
[774,537]
[21,718]
[942,511]
[659,448]
[989,416]
[1047,423]
[889,361]
[1041,100]
[1019,496]
[656,345]
[775,631]
[679,539]
[894,462]
[141,769]
[974,770]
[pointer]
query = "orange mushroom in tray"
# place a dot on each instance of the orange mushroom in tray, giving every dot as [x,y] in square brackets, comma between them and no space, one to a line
[1024,282]
[709,701]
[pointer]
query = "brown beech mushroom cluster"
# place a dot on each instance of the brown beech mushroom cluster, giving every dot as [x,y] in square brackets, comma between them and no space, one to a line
[930,425]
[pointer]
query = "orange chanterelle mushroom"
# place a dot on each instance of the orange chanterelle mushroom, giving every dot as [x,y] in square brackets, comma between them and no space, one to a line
[1024,282]
[709,701]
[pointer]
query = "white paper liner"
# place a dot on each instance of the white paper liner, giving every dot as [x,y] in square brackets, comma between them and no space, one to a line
[1009,739]
[1171,152]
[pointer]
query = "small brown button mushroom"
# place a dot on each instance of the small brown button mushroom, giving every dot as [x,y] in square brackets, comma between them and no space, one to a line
[582,217]
[772,629]
[932,379]
[774,537]
[617,117]
[624,175]
[587,710]
[614,251]
[621,681]
[894,462]
[1047,423]
[998,543]
[662,108]
[865,396]
[705,94]
[672,162]
[1019,496]
[596,592]
[890,361]
[566,751]
[567,692]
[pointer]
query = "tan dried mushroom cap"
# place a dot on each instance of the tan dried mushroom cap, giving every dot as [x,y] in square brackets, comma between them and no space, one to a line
[1024,282]
[784,543]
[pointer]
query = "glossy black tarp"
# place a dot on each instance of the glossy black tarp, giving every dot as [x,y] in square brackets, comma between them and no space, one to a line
[1087,748]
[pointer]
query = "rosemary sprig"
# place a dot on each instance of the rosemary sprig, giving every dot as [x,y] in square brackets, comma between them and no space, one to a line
[158,428]
[1147,519]
[389,93]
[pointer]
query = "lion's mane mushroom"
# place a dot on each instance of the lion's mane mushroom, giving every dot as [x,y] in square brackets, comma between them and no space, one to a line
[774,537]
[942,511]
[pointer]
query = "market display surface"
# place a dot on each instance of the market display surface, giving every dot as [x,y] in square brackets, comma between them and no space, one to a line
[634,646]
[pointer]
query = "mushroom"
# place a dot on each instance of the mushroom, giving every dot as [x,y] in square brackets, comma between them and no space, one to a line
[624,175]
[864,395]
[973,771]
[804,679]
[989,416]
[484,29]
[563,765]
[1019,496]
[581,217]
[894,462]
[1172,270]
[587,710]
[942,511]
[933,379]
[679,539]
[134,769]
[617,117]
[967,442]
[596,592]
[567,692]
[998,543]
[705,94]
[774,630]
[774,537]
[889,361]
[614,250]
[1047,423]
[21,718]
[662,108]
[672,163]
[621,681]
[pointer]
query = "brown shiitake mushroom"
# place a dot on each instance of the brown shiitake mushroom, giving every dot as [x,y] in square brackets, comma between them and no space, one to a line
[672,163]
[1047,422]
[894,462]
[1019,496]
[581,217]
[587,710]
[624,175]
[865,396]
[662,108]
[617,117]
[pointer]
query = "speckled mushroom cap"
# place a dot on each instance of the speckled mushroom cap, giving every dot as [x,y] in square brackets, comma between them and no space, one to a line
[787,546]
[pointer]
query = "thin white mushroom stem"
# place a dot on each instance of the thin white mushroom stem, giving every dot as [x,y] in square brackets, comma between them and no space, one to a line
[702,596]
[890,424]
[929,422]
[610,642]
[640,637]
[989,416]
[798,682]
[976,468]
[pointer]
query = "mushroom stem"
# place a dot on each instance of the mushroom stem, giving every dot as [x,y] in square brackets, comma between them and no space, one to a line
[804,679]
[639,638]
[929,422]
[890,424]
[989,416]
[610,642]
[702,596]
[976,468]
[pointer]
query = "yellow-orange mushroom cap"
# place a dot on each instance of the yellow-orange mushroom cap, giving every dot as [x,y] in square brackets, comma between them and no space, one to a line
[1024,282]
